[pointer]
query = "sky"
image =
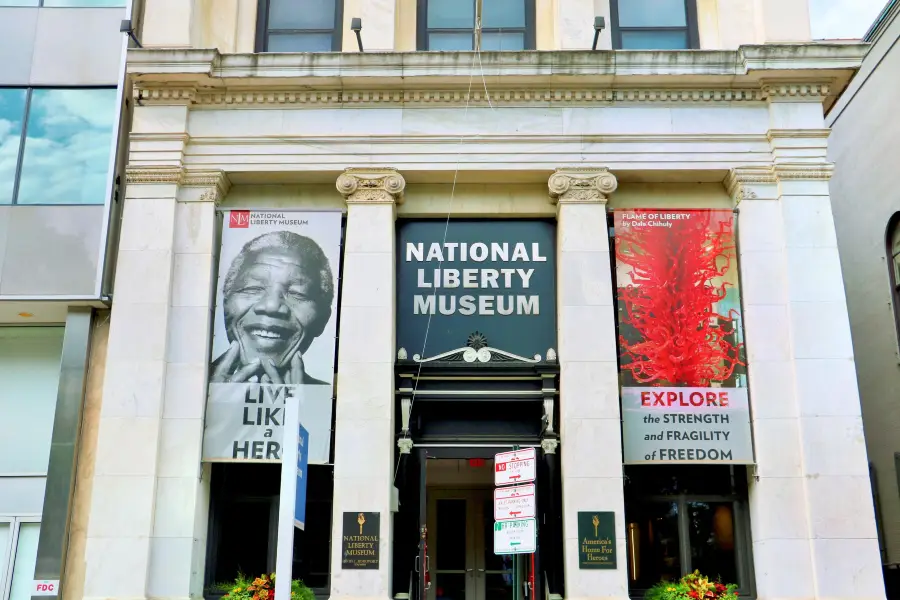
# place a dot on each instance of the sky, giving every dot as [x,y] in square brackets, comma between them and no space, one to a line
[843,18]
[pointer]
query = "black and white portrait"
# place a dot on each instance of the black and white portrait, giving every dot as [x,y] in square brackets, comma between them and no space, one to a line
[277,299]
[274,333]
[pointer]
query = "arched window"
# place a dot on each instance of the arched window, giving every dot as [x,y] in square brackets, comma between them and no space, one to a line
[893,253]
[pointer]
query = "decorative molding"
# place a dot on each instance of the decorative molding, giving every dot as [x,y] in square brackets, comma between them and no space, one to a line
[144,95]
[405,445]
[371,186]
[803,172]
[549,445]
[793,91]
[153,175]
[581,185]
[477,350]
[216,180]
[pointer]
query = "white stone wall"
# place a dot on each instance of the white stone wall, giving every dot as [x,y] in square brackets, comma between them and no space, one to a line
[812,519]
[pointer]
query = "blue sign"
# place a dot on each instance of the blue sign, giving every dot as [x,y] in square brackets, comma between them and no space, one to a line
[302,463]
[479,284]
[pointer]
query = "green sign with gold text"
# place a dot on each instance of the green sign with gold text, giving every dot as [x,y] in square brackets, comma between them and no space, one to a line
[596,540]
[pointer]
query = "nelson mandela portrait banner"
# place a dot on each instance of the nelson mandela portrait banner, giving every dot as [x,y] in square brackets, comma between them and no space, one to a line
[274,333]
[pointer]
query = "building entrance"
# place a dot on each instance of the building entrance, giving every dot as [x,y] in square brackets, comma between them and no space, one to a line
[460,519]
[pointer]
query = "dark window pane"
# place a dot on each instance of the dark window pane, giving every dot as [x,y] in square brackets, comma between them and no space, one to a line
[498,586]
[450,41]
[66,158]
[451,534]
[503,13]
[653,543]
[299,42]
[500,564]
[301,14]
[450,586]
[652,13]
[502,41]
[654,40]
[451,14]
[711,527]
[12,115]
[662,480]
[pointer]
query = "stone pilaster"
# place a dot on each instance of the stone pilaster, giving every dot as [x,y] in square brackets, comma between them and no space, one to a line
[590,429]
[364,440]
[810,498]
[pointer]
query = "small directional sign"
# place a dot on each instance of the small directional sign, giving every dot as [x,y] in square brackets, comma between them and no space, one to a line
[518,536]
[514,502]
[518,466]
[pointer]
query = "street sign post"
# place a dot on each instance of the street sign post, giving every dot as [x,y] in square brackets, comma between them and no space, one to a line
[517,502]
[512,468]
[518,536]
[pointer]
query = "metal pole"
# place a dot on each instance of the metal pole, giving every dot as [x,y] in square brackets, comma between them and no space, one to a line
[284,558]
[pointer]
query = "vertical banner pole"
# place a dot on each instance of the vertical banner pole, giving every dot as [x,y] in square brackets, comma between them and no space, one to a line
[284,558]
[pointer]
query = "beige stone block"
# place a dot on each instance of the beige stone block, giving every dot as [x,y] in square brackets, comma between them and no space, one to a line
[195,225]
[369,229]
[827,388]
[363,448]
[365,390]
[143,276]
[777,447]
[587,334]
[778,509]
[840,507]
[122,507]
[368,335]
[772,389]
[808,222]
[584,279]
[783,569]
[169,570]
[760,226]
[193,280]
[127,446]
[589,390]
[148,223]
[834,446]
[189,335]
[159,119]
[116,567]
[766,329]
[582,228]
[174,507]
[368,279]
[598,439]
[592,494]
[133,389]
[167,24]
[185,391]
[763,277]
[848,568]
[820,330]
[180,443]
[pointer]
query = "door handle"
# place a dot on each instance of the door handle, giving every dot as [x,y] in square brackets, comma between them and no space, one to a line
[481,570]
[468,570]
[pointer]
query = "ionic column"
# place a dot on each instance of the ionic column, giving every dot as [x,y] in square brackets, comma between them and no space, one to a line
[590,429]
[364,416]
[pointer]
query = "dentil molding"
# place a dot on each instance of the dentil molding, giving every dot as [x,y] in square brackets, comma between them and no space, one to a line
[371,186]
[581,185]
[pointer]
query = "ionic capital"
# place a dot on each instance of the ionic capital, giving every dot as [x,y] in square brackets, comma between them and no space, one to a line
[371,186]
[215,181]
[578,185]
[740,180]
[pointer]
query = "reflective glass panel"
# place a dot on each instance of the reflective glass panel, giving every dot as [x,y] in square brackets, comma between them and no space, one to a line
[84,3]
[29,369]
[503,13]
[502,41]
[654,40]
[12,115]
[67,148]
[711,526]
[654,551]
[19,2]
[450,41]
[450,586]
[451,534]
[652,13]
[299,42]
[451,14]
[5,533]
[301,14]
[25,558]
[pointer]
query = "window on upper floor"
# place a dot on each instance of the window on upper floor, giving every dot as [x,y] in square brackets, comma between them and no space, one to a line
[299,25]
[654,24]
[55,145]
[65,3]
[893,252]
[450,25]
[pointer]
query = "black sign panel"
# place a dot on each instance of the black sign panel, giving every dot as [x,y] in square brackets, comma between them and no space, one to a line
[359,544]
[488,284]
[596,540]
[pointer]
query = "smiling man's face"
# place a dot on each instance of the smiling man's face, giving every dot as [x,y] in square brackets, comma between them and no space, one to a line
[273,308]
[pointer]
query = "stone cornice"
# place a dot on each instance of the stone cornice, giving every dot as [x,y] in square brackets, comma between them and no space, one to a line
[154,175]
[216,181]
[750,73]
[739,180]
[581,185]
[371,185]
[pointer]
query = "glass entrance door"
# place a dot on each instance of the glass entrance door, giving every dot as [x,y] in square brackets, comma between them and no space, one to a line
[464,565]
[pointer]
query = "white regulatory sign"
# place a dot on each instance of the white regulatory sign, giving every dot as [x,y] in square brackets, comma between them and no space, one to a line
[515,537]
[514,502]
[45,587]
[518,466]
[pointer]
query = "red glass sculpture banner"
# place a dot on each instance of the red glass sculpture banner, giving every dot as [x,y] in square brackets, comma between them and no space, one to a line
[681,348]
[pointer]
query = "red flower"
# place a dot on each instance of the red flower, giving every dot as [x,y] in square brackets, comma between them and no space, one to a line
[720,588]
[694,594]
